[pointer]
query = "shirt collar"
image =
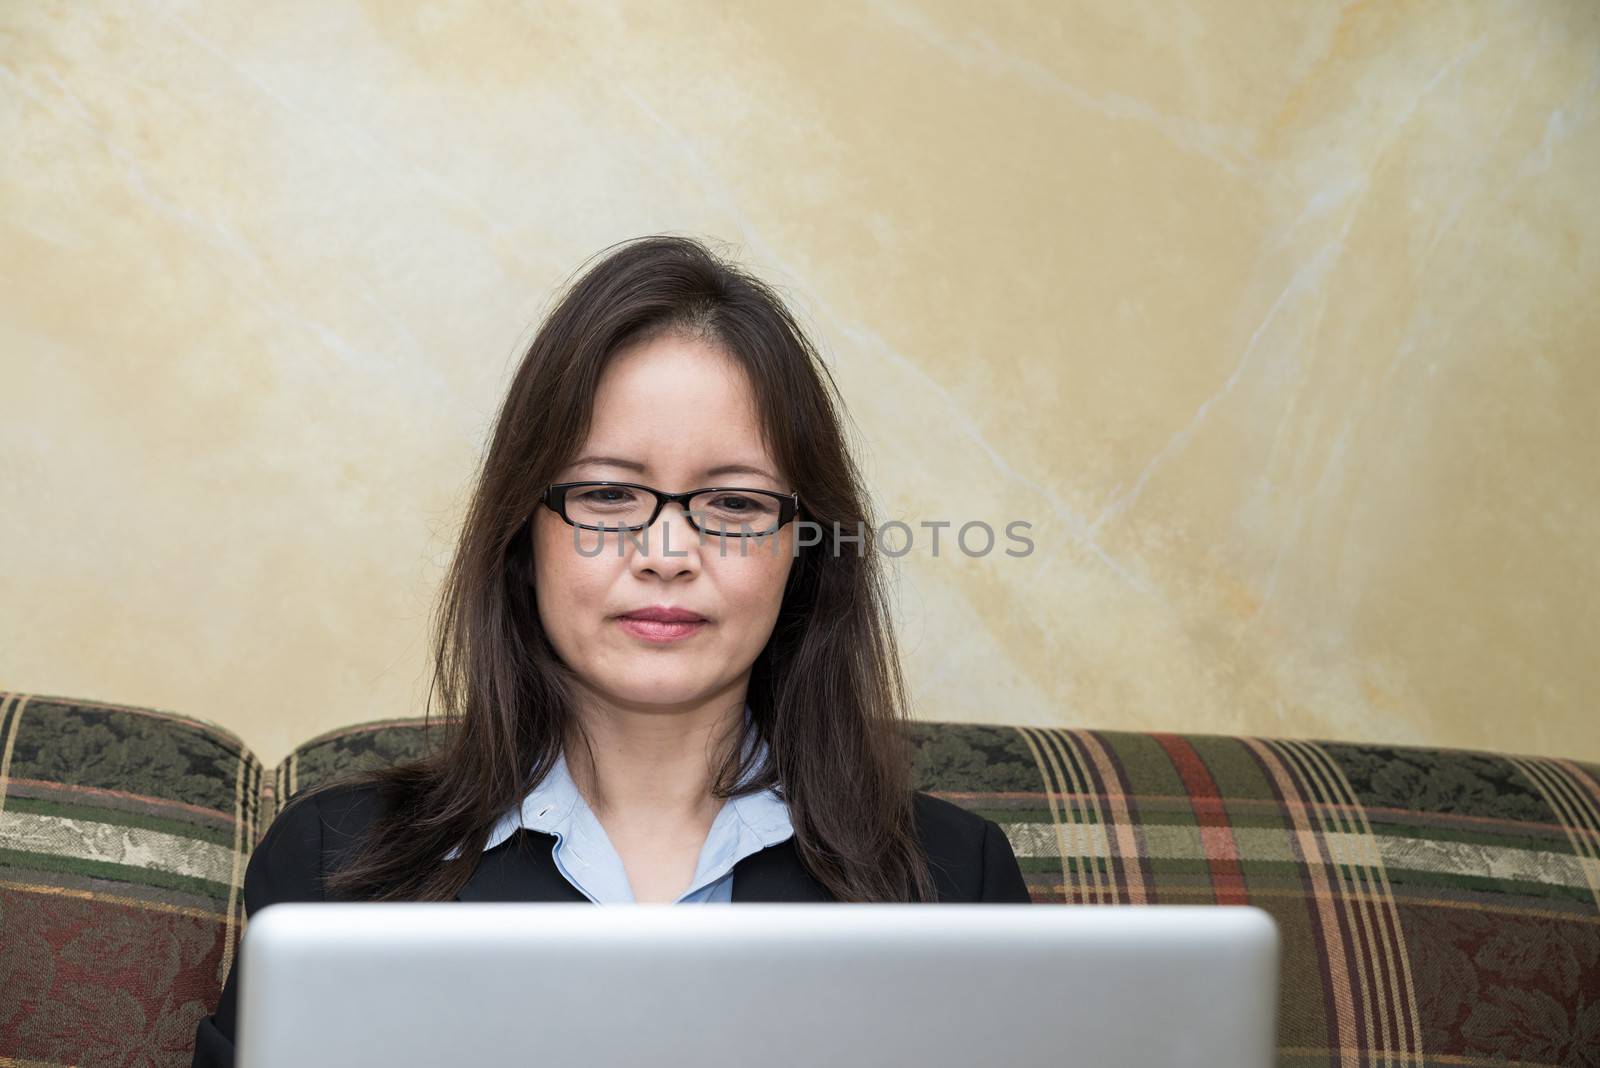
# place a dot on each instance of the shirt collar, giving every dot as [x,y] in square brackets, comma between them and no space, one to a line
[555,806]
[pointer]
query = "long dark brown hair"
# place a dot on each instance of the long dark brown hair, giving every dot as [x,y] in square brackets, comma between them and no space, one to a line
[826,693]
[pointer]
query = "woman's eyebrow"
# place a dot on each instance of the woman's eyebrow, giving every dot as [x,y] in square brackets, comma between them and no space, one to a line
[609,461]
[636,466]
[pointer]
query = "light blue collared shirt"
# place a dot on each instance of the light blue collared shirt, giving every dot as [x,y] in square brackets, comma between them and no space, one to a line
[585,857]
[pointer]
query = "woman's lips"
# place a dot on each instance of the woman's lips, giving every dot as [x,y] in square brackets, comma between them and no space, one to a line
[660,633]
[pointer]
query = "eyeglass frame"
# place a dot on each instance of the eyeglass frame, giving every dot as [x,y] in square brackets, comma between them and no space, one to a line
[788,506]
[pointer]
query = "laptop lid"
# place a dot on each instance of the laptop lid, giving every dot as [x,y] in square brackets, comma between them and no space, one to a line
[772,984]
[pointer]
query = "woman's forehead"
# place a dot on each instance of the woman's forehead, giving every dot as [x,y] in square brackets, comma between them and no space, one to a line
[676,407]
[667,375]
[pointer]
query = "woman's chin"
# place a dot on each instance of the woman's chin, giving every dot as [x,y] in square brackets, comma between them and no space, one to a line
[670,693]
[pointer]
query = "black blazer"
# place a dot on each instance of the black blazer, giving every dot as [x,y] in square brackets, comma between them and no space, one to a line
[970,858]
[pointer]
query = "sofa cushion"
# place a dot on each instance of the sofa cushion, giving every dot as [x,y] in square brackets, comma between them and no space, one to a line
[1437,906]
[123,838]
[363,747]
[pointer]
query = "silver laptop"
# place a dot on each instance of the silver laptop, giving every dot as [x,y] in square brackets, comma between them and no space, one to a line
[769,984]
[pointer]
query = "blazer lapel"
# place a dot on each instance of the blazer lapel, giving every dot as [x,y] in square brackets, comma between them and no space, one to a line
[776,874]
[522,869]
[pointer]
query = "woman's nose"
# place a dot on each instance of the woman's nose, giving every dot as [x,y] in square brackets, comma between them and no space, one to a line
[672,539]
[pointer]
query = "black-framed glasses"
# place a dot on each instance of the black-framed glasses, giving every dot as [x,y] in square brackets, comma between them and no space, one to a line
[727,511]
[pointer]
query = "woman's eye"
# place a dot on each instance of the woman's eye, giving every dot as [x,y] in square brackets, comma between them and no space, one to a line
[733,502]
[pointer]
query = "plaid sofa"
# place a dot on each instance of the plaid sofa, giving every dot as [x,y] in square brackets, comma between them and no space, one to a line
[1437,906]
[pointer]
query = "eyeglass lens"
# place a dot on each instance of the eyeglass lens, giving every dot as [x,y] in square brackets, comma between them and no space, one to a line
[715,511]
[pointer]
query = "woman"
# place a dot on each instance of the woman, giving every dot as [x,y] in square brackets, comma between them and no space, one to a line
[654,688]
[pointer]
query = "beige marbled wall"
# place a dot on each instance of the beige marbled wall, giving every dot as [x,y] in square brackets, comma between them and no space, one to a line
[1278,321]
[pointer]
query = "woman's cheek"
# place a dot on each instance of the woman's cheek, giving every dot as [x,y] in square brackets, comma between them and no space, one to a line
[754,594]
[570,596]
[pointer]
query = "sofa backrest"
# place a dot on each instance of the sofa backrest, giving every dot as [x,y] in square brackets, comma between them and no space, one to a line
[1436,905]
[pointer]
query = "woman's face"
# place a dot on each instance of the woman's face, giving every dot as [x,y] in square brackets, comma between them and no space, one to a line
[675,414]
